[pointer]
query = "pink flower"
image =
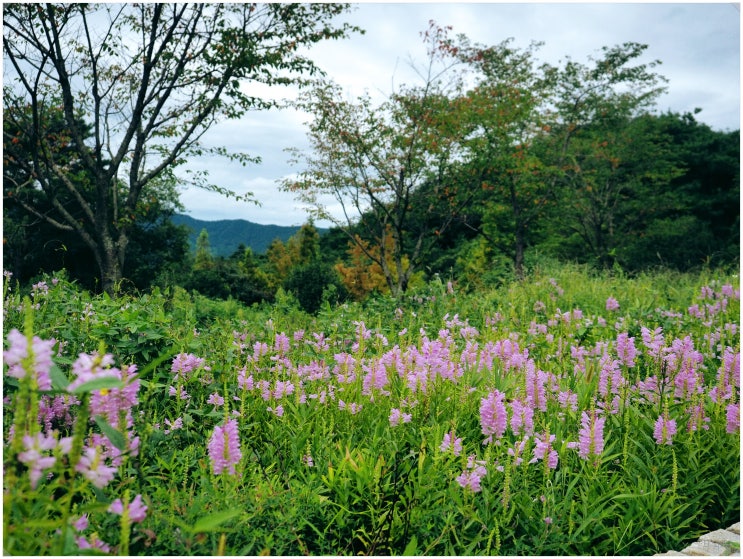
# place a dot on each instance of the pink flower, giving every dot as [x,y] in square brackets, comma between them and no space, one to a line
[245,382]
[732,414]
[42,358]
[110,403]
[535,380]
[34,455]
[493,415]
[543,451]
[185,363]
[591,435]
[396,416]
[472,476]
[137,509]
[522,418]
[91,367]
[177,424]
[626,349]
[180,393]
[215,400]
[92,466]
[612,304]
[451,441]
[278,411]
[664,430]
[224,448]
[95,543]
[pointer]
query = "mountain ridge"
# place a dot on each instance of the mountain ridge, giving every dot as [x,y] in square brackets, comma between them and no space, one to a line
[226,235]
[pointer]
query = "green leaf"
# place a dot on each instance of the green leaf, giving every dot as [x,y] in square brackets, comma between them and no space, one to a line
[116,437]
[213,521]
[100,383]
[59,379]
[412,547]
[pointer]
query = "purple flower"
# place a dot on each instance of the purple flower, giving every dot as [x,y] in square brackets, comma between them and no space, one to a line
[522,418]
[626,349]
[224,448]
[215,399]
[543,451]
[282,343]
[42,358]
[137,509]
[591,435]
[180,393]
[278,411]
[245,382]
[732,415]
[664,429]
[177,424]
[81,524]
[375,378]
[535,380]
[612,304]
[185,363]
[34,455]
[110,403]
[472,475]
[95,543]
[493,415]
[92,466]
[451,441]
[91,367]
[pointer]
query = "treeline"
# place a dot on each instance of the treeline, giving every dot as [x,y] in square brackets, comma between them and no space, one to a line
[686,221]
[492,161]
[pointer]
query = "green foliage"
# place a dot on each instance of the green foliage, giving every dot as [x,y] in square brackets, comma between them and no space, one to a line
[325,470]
[313,284]
[182,71]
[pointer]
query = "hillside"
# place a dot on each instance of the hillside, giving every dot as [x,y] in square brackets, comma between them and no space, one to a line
[225,235]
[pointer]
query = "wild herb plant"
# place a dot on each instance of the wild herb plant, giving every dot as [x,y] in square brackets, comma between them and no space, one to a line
[574,413]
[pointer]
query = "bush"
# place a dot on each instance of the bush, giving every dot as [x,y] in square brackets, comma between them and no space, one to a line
[310,282]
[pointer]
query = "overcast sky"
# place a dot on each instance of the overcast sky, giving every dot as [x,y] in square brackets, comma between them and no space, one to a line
[698,45]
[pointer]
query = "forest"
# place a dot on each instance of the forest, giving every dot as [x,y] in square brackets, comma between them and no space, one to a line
[490,164]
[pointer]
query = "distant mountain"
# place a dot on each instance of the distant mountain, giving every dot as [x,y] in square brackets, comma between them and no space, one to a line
[225,235]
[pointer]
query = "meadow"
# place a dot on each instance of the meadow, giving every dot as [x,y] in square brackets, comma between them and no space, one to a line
[573,413]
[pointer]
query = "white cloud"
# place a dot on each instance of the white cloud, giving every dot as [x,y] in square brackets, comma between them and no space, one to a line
[699,45]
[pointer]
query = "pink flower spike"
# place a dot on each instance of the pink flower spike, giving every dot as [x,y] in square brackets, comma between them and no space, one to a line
[224,448]
[664,430]
[732,415]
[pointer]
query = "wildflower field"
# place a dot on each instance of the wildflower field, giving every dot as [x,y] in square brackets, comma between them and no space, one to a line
[573,413]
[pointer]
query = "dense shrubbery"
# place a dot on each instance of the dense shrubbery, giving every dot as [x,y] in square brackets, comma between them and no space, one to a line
[574,413]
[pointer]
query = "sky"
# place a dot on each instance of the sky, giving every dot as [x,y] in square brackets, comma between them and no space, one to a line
[697,43]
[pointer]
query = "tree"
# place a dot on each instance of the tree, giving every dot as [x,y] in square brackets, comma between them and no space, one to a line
[372,160]
[616,181]
[203,260]
[526,118]
[33,246]
[151,79]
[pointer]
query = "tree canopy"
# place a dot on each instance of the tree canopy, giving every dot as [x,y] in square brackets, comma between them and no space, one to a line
[137,86]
